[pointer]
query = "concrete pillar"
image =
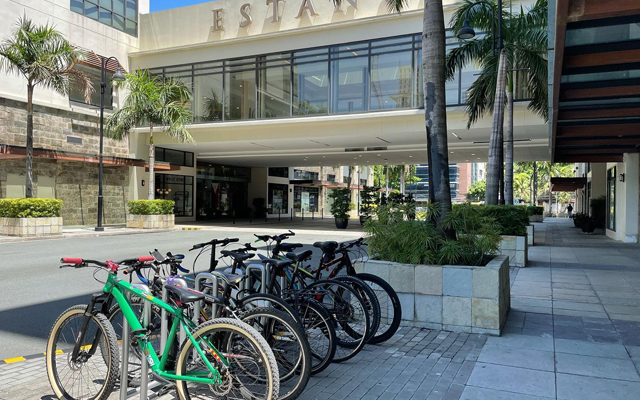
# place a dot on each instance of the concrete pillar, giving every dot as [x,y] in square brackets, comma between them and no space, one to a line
[631,196]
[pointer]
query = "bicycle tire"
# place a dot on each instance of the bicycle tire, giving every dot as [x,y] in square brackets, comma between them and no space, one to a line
[317,323]
[388,325]
[54,355]
[370,298]
[277,302]
[250,335]
[290,347]
[345,305]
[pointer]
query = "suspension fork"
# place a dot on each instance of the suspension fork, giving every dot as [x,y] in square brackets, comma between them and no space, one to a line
[88,314]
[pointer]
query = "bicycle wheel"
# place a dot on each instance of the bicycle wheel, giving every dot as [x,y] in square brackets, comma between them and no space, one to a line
[135,355]
[390,308]
[268,300]
[320,331]
[94,373]
[289,345]
[252,371]
[349,313]
[370,300]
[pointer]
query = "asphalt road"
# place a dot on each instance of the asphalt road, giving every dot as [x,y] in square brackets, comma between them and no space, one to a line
[34,290]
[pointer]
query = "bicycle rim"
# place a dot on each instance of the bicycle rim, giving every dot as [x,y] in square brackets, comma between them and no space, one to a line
[390,308]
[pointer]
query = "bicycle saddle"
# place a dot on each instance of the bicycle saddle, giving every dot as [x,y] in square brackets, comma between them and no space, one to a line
[328,246]
[232,279]
[184,295]
[289,246]
[303,256]
[236,255]
[278,264]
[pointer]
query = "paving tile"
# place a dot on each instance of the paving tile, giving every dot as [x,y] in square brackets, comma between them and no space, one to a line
[519,341]
[574,387]
[599,367]
[517,357]
[476,393]
[512,379]
[591,349]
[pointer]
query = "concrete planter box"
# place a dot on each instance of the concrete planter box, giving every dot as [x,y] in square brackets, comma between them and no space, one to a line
[151,221]
[451,297]
[30,227]
[536,218]
[530,235]
[516,248]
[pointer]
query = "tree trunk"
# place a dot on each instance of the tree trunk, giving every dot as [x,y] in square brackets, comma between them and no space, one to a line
[535,184]
[494,165]
[29,182]
[402,180]
[152,160]
[508,172]
[433,72]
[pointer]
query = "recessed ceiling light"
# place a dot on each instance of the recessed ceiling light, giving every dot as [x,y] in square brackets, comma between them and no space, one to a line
[324,156]
[360,155]
[452,152]
[355,158]
[466,160]
[410,156]
[472,154]
[478,158]
[378,155]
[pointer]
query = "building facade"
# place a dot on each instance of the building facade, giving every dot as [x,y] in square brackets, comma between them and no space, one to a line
[296,86]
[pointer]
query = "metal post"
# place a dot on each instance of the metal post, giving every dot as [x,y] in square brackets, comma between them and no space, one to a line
[124,369]
[144,374]
[322,213]
[103,84]
[291,214]
[164,322]
[279,213]
[302,209]
[233,213]
[313,214]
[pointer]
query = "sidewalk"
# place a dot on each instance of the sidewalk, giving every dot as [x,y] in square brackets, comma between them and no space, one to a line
[85,231]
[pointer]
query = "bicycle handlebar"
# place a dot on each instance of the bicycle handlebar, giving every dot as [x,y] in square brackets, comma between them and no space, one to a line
[80,262]
[277,238]
[348,245]
[214,242]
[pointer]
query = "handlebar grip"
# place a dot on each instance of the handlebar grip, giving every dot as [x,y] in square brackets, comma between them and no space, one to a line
[146,258]
[291,233]
[142,278]
[232,240]
[66,260]
[186,271]
[197,246]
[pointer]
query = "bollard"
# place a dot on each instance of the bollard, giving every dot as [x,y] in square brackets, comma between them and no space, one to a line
[291,214]
[233,213]
[302,213]
[322,213]
[313,214]
[279,213]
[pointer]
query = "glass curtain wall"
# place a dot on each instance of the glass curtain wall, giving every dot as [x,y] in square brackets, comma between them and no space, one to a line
[382,74]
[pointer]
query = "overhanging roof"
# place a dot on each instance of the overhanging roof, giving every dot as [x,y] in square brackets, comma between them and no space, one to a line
[567,184]
[596,82]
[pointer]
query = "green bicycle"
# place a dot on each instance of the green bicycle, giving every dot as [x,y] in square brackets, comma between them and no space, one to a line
[221,358]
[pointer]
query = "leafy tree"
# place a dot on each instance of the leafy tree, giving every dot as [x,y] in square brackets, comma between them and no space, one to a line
[45,59]
[153,101]
[525,47]
[477,191]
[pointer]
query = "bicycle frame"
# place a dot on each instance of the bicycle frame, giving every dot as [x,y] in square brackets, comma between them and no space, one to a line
[118,289]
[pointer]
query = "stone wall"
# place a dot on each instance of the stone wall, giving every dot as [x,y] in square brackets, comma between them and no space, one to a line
[55,129]
[516,248]
[76,184]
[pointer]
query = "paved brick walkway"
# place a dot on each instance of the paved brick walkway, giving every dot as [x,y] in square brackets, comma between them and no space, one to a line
[414,364]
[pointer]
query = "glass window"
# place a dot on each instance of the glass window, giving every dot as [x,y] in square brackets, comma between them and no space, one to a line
[241,93]
[311,88]
[208,98]
[391,80]
[105,4]
[91,10]
[349,84]
[274,93]
[305,199]
[278,198]
[105,16]
[76,93]
[468,76]
[305,175]
[418,90]
[131,28]
[118,22]
[178,188]
[603,34]
[174,157]
[282,172]
[132,10]
[77,6]
[611,199]
[118,7]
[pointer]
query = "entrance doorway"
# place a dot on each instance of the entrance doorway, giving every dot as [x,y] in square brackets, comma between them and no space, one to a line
[222,192]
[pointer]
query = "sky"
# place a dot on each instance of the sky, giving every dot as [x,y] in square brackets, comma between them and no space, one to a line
[158,5]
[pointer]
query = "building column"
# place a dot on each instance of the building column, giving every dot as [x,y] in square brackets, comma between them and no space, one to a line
[631,198]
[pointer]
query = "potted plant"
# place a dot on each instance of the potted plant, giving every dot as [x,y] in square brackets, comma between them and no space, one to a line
[340,207]
[579,218]
[588,225]
[367,206]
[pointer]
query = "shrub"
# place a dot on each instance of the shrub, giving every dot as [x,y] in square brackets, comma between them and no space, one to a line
[30,208]
[599,211]
[341,203]
[151,207]
[513,220]
[393,238]
[368,200]
[535,210]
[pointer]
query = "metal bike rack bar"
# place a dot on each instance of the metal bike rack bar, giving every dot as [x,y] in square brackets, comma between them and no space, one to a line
[124,370]
[265,276]
[144,364]
[164,322]
[199,280]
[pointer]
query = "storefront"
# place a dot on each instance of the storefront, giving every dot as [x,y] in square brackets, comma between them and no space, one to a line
[222,192]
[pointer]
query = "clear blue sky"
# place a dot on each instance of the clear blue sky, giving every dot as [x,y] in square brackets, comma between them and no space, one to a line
[158,5]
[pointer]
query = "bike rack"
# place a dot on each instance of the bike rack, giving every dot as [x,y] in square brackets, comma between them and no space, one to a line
[265,275]
[199,280]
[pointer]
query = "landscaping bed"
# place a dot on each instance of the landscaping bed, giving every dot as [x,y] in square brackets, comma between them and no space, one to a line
[30,217]
[151,214]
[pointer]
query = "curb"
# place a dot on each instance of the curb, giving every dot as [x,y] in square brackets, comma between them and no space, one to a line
[10,239]
[191,229]
[14,360]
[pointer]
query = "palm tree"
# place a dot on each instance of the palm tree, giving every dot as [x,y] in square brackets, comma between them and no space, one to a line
[44,58]
[525,47]
[154,101]
[433,81]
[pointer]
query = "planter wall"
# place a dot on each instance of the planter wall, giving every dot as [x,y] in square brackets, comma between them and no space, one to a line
[530,235]
[26,227]
[516,248]
[536,218]
[151,221]
[451,297]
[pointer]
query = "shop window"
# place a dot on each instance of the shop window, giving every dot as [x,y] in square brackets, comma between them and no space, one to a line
[331,178]
[305,199]
[305,175]
[46,187]
[274,89]
[174,157]
[390,81]
[240,84]
[281,172]
[178,188]
[16,185]
[278,198]
[611,199]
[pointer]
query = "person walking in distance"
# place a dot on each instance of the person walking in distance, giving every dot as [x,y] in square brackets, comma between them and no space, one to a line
[570,210]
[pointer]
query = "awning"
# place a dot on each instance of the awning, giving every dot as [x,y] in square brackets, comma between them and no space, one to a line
[93,60]
[596,81]
[567,184]
[10,152]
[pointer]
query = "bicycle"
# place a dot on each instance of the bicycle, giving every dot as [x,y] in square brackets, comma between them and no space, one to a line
[222,357]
